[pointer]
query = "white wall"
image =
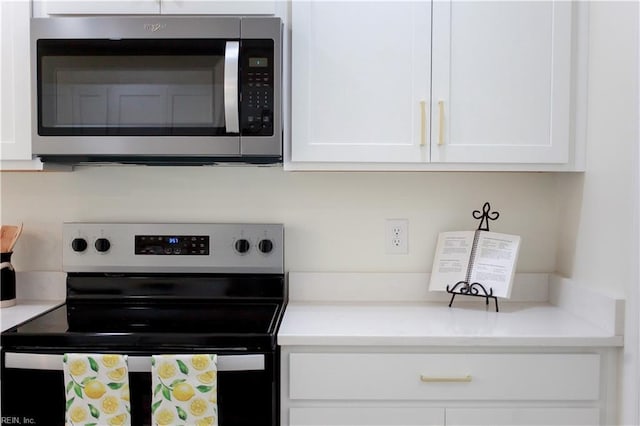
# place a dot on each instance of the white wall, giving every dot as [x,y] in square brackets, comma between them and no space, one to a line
[333,221]
[598,238]
[598,207]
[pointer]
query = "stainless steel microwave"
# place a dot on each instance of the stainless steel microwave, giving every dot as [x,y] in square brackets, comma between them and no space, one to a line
[157,90]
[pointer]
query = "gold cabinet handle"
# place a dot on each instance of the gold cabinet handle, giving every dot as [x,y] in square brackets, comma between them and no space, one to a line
[441,122]
[423,123]
[433,379]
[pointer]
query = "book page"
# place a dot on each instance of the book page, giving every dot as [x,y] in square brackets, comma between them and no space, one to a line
[451,259]
[495,261]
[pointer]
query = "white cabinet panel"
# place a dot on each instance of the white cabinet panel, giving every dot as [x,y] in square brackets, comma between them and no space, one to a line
[194,104]
[437,377]
[366,416]
[501,82]
[494,76]
[360,71]
[217,7]
[93,7]
[138,105]
[89,105]
[15,103]
[522,416]
[44,8]
[324,386]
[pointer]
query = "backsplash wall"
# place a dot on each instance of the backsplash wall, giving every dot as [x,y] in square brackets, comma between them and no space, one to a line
[334,221]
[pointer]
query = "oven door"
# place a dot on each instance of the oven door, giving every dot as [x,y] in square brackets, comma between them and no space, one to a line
[33,388]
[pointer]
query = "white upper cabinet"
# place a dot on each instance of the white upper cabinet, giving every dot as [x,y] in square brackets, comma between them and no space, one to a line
[217,7]
[487,86]
[500,82]
[42,8]
[45,8]
[15,105]
[360,73]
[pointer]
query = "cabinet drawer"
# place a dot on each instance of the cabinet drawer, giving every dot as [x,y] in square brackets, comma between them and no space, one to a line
[366,416]
[328,376]
[547,416]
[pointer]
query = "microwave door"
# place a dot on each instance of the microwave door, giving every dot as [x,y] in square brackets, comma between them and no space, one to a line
[141,97]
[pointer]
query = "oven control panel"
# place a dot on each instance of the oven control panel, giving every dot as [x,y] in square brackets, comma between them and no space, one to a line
[172,245]
[167,247]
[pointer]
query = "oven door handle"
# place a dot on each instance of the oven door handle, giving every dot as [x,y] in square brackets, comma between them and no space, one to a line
[136,364]
[231,58]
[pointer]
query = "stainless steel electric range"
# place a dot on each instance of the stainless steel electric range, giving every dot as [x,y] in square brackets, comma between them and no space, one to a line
[143,289]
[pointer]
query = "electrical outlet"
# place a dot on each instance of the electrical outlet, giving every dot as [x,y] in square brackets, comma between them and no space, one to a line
[397,236]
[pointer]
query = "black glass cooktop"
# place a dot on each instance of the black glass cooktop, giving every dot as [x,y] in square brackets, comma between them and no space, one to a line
[141,312]
[140,327]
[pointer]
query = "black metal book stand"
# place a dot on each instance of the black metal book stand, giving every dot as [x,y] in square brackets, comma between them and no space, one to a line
[476,289]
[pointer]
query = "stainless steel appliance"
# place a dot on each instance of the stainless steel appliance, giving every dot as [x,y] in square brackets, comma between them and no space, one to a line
[160,89]
[145,289]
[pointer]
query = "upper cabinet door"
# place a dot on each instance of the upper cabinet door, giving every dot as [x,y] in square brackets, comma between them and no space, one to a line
[43,8]
[360,81]
[113,7]
[218,7]
[15,105]
[501,82]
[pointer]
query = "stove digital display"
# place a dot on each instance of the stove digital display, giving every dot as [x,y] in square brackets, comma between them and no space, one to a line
[172,245]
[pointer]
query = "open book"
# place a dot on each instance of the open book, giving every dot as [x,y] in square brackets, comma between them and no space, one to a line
[485,257]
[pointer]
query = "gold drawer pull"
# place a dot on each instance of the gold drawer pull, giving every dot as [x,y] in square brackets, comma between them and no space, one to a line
[432,379]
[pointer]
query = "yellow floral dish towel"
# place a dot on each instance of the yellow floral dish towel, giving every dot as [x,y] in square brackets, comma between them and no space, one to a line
[184,390]
[96,389]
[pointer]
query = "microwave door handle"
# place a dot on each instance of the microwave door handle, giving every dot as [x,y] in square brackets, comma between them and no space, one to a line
[231,57]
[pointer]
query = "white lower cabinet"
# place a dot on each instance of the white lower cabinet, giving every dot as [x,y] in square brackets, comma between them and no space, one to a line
[523,387]
[366,416]
[410,416]
[522,416]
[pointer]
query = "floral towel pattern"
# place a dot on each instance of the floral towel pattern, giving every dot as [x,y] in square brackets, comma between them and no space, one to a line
[96,389]
[184,390]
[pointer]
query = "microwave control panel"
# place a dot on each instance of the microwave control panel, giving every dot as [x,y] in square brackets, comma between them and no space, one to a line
[257,106]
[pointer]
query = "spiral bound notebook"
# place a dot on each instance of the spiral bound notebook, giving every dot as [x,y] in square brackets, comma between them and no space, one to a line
[485,257]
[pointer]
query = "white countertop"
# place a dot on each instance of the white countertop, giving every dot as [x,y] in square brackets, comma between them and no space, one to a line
[394,309]
[24,310]
[406,324]
[382,309]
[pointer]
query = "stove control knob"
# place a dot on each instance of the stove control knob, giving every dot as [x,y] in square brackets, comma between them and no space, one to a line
[242,246]
[102,245]
[265,246]
[79,244]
